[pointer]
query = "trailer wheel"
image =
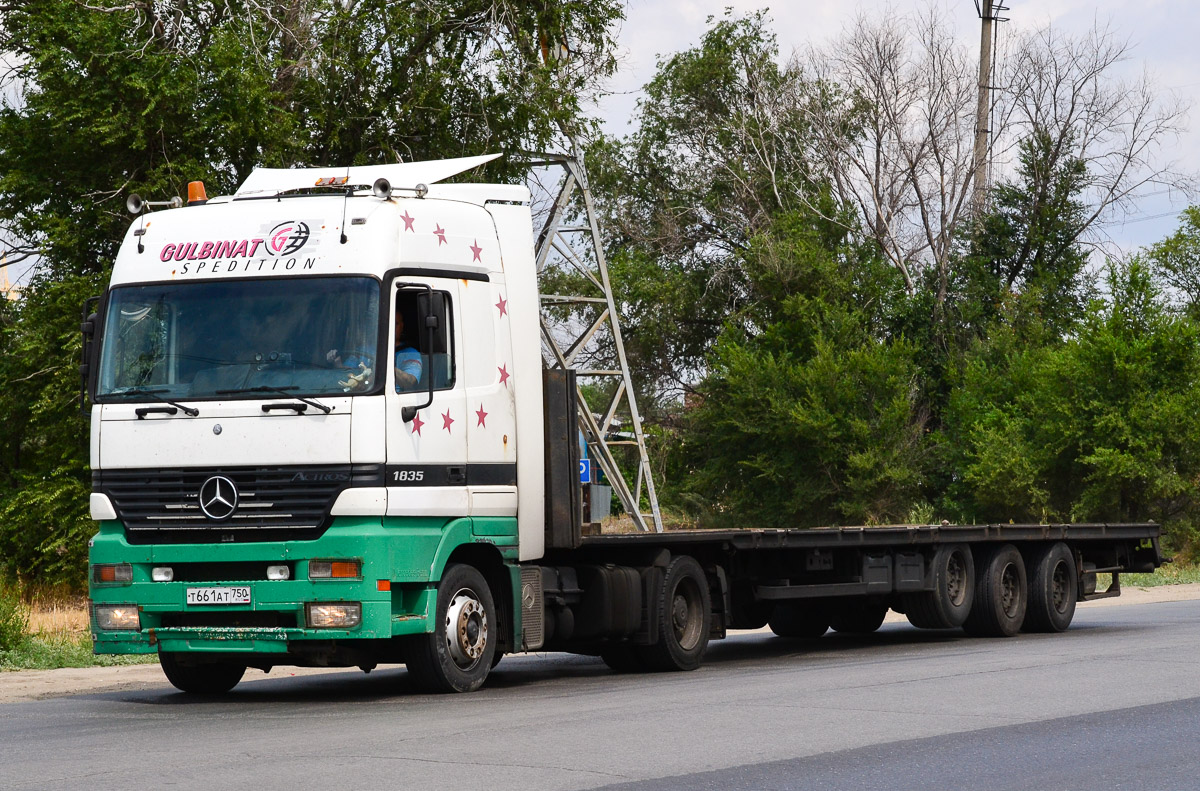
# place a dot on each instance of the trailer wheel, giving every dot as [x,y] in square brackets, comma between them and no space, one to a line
[1053,590]
[684,609]
[803,620]
[949,603]
[1001,595]
[457,656]
[858,617]
[209,678]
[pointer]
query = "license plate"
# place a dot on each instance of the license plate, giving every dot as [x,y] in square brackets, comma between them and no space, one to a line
[235,595]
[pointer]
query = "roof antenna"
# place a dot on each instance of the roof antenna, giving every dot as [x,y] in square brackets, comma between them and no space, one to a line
[349,189]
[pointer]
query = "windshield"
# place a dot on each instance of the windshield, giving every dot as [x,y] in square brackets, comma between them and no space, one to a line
[239,338]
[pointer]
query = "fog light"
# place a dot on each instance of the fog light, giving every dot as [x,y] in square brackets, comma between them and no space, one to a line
[162,574]
[278,572]
[334,615]
[112,572]
[111,617]
[334,569]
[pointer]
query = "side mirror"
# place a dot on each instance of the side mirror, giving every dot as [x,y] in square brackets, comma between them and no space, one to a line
[87,328]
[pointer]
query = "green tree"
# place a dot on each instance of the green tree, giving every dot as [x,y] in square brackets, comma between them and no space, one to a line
[719,151]
[1023,259]
[811,419]
[1099,428]
[1176,261]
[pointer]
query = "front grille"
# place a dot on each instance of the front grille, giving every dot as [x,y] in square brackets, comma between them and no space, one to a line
[274,503]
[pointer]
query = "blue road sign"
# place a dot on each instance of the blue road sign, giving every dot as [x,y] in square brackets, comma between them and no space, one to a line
[585,470]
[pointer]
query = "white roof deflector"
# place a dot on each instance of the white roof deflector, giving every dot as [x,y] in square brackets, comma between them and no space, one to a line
[270,181]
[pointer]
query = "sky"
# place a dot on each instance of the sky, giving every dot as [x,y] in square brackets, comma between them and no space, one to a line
[1162,34]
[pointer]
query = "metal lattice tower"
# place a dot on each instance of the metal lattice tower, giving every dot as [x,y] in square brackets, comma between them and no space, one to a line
[581,248]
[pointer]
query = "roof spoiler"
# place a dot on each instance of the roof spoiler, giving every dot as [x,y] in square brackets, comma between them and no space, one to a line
[272,181]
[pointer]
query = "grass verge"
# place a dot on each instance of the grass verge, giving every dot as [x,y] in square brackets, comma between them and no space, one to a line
[1170,574]
[50,632]
[49,651]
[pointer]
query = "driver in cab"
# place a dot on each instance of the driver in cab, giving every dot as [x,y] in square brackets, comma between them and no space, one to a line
[408,360]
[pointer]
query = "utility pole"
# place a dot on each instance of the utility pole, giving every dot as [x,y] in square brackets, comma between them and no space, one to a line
[988,10]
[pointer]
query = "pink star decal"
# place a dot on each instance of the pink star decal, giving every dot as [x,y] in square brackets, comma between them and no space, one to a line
[440,233]
[446,420]
[503,305]
[408,221]
[479,413]
[504,374]
[476,249]
[417,423]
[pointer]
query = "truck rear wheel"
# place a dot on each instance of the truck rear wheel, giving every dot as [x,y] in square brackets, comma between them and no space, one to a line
[1053,589]
[201,678]
[949,603]
[623,658]
[457,655]
[684,609]
[1001,595]
[799,619]
[858,617]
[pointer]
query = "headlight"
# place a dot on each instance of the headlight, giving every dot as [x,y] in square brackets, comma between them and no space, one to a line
[278,572]
[112,572]
[334,615]
[334,569]
[111,617]
[162,574]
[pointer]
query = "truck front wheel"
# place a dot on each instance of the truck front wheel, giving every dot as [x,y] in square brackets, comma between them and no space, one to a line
[684,610]
[209,678]
[457,655]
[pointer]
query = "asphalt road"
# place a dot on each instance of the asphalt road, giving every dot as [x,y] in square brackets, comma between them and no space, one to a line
[1114,703]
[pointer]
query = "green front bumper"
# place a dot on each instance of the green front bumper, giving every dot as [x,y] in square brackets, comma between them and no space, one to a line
[402,560]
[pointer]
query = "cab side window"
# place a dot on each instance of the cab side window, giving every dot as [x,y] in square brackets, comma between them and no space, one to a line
[423,351]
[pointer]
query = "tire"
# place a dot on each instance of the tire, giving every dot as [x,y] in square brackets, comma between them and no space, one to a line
[1053,589]
[623,658]
[858,617]
[684,610]
[1001,595]
[949,603]
[457,656]
[799,620]
[202,678]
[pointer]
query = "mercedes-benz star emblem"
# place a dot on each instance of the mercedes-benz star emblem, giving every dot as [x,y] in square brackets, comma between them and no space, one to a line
[218,497]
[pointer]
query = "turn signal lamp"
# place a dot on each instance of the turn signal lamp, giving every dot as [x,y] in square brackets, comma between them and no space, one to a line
[117,616]
[196,195]
[334,569]
[334,615]
[112,572]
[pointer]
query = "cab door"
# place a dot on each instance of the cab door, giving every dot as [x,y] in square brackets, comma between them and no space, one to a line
[426,471]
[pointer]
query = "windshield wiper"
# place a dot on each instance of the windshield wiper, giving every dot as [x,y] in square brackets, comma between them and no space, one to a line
[282,391]
[153,392]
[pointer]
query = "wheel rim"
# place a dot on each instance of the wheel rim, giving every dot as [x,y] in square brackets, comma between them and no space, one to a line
[956,580]
[1010,591]
[686,618]
[466,628]
[1060,587]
